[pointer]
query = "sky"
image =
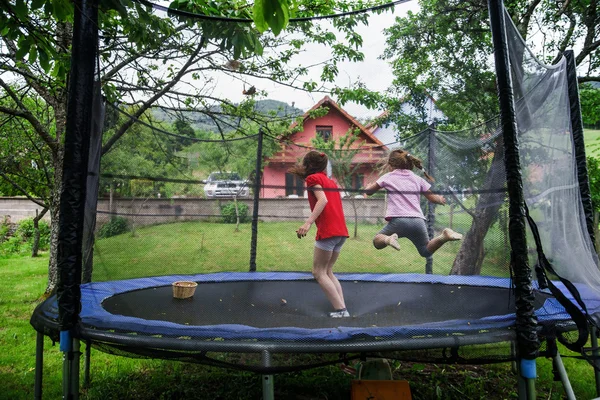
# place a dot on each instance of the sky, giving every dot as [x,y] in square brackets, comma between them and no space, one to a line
[375,73]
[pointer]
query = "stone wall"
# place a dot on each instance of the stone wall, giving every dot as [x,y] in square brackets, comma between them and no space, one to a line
[152,211]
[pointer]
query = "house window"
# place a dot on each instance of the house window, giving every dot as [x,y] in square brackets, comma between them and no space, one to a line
[324,132]
[294,185]
[357,181]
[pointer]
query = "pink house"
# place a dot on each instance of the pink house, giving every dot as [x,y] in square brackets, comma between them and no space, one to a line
[277,183]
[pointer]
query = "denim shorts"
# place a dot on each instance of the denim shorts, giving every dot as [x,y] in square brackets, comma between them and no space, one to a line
[334,243]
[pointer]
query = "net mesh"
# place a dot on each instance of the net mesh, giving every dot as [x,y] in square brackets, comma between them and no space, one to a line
[178,192]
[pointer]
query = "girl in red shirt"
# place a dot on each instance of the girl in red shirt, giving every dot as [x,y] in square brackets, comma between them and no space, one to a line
[327,213]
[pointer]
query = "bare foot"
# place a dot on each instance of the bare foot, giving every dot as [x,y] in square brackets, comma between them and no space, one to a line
[450,235]
[392,241]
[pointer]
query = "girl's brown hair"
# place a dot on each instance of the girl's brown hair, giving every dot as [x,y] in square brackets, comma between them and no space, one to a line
[401,159]
[312,163]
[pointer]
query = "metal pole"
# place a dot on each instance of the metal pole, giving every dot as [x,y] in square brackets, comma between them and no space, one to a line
[74,365]
[564,378]
[431,162]
[257,185]
[526,322]
[86,364]
[39,365]
[596,353]
[267,380]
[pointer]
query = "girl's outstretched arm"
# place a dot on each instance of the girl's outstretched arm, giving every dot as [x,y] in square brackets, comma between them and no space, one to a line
[434,198]
[319,206]
[371,188]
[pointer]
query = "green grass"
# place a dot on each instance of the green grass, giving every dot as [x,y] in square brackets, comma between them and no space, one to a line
[592,144]
[202,247]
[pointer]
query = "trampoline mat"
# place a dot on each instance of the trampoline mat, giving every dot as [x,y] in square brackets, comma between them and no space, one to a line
[302,304]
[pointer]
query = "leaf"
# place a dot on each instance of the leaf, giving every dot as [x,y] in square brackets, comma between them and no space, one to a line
[35,4]
[113,5]
[62,10]
[21,9]
[24,45]
[44,59]
[33,55]
[258,14]
[277,15]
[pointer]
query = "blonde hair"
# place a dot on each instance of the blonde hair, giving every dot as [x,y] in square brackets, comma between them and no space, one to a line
[401,159]
[312,163]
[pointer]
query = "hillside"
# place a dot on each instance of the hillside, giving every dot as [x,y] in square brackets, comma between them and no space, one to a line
[203,121]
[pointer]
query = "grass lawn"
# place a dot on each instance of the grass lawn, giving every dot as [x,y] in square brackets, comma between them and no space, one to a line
[203,247]
[207,248]
[592,142]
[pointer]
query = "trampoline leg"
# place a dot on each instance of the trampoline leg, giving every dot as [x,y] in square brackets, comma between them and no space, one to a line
[562,373]
[86,364]
[595,352]
[39,365]
[513,353]
[71,371]
[521,387]
[267,380]
[525,386]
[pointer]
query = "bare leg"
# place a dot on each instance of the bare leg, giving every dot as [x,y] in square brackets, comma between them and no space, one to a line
[334,279]
[380,241]
[447,235]
[321,261]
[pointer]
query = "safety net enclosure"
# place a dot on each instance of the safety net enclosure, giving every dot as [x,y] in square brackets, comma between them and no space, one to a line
[158,220]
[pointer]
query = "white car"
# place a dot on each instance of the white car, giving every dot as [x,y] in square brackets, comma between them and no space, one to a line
[225,185]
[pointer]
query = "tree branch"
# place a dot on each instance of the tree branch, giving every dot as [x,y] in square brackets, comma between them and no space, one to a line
[23,191]
[584,79]
[154,98]
[24,113]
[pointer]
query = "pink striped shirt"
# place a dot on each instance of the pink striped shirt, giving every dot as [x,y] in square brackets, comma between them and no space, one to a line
[404,193]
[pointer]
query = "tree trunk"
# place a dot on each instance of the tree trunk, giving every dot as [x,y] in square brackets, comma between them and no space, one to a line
[53,260]
[237,214]
[54,209]
[36,229]
[355,208]
[596,230]
[470,257]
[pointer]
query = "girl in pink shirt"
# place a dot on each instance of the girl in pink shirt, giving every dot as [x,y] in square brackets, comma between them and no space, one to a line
[404,215]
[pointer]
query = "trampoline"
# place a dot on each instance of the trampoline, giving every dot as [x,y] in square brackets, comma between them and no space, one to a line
[286,312]
[465,316]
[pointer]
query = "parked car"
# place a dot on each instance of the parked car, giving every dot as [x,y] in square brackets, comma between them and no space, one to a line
[225,185]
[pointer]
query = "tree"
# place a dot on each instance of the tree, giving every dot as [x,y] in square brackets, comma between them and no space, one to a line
[593,166]
[341,155]
[25,168]
[589,97]
[149,61]
[443,51]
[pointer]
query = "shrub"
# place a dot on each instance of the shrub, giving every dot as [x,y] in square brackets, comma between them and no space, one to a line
[26,231]
[114,227]
[228,213]
[21,240]
[4,232]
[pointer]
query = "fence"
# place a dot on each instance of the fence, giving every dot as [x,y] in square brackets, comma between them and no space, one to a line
[189,209]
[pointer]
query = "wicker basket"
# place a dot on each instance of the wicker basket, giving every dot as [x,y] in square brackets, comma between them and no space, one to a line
[184,289]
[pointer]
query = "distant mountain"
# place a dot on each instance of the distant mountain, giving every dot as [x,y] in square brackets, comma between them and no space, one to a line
[282,109]
[201,121]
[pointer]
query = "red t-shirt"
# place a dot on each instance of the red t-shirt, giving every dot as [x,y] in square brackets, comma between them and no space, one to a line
[331,222]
